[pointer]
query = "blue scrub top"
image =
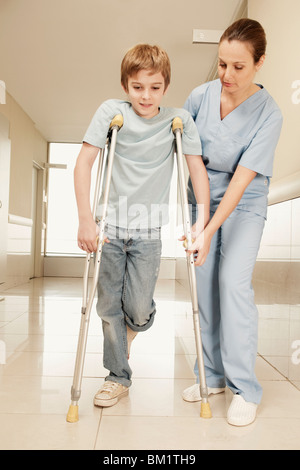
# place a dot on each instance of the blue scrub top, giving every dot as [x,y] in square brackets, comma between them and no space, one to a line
[247,136]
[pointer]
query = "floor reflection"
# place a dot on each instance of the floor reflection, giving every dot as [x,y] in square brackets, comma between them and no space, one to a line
[39,324]
[279,328]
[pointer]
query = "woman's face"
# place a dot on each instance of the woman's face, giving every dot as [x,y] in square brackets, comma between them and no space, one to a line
[236,66]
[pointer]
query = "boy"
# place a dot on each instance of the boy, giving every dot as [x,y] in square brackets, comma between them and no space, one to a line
[139,191]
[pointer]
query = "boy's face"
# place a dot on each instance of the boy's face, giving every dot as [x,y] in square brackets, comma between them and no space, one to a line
[145,92]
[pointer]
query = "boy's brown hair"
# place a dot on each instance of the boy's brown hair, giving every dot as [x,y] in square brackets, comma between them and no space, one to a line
[145,57]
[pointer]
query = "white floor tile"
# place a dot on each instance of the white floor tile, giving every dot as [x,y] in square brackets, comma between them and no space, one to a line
[194,433]
[39,326]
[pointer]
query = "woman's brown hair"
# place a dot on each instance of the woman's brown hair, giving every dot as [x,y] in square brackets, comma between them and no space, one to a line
[250,31]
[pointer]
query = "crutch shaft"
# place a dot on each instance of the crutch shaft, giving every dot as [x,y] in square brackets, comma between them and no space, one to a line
[183,195]
[81,348]
[177,130]
[88,299]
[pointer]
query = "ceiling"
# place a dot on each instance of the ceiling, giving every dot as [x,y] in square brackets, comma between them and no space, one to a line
[61,58]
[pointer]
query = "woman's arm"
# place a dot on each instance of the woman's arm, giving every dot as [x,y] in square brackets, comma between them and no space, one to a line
[88,229]
[241,179]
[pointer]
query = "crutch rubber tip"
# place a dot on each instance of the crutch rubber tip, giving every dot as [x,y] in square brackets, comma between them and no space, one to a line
[205,411]
[72,416]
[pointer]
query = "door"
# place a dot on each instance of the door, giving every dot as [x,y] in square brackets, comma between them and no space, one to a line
[4,192]
[33,217]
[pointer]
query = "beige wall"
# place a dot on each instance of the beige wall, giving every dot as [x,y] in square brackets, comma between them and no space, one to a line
[27,147]
[277,271]
[280,72]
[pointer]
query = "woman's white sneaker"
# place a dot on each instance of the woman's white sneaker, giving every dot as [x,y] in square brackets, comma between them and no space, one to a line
[241,412]
[192,393]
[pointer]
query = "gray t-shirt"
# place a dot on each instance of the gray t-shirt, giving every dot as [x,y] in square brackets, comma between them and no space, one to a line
[143,162]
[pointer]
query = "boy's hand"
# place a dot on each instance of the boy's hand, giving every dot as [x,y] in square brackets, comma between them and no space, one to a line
[200,246]
[196,230]
[87,238]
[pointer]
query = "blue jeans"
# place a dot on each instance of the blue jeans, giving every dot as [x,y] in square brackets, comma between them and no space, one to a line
[128,273]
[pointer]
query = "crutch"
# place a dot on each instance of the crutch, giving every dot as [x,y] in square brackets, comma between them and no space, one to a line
[177,128]
[106,157]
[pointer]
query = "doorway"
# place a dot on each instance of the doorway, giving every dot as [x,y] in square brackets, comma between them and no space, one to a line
[4,193]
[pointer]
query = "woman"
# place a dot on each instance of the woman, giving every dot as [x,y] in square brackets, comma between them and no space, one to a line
[239,125]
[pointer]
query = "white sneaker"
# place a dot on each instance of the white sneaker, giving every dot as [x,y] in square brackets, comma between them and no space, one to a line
[192,393]
[110,393]
[241,412]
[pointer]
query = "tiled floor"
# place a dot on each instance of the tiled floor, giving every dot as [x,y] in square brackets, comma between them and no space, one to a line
[39,324]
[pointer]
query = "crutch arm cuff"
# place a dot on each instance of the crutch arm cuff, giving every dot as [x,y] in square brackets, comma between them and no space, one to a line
[177,124]
[117,121]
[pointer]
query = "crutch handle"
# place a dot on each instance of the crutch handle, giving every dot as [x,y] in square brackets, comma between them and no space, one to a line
[177,124]
[117,121]
[97,241]
[185,242]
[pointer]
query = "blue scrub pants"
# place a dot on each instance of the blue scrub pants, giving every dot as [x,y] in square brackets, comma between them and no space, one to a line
[228,315]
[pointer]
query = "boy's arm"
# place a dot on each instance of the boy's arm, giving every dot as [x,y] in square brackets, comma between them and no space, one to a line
[200,184]
[88,229]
